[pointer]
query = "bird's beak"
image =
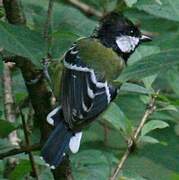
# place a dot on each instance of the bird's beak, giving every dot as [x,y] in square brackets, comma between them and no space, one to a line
[145,38]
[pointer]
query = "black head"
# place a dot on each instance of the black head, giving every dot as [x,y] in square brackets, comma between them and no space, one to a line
[119,33]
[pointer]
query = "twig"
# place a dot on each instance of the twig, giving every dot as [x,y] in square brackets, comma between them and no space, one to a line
[48,22]
[48,39]
[86,9]
[132,141]
[23,149]
[27,140]
[106,132]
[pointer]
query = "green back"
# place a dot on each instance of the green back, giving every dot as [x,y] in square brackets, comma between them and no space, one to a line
[103,60]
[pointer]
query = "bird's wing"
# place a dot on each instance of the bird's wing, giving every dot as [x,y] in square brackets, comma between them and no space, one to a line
[100,58]
[84,94]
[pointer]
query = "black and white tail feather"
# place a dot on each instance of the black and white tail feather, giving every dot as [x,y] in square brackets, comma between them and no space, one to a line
[60,141]
[84,96]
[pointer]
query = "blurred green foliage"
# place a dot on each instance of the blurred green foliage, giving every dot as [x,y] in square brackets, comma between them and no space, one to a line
[153,66]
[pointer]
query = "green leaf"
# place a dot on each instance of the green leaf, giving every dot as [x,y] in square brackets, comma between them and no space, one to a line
[156,161]
[168,108]
[46,174]
[145,99]
[22,169]
[153,24]
[6,128]
[1,66]
[64,20]
[148,139]
[68,29]
[69,23]
[176,128]
[148,81]
[150,65]
[117,118]
[19,86]
[174,176]
[147,168]
[164,115]
[90,165]
[93,137]
[130,176]
[20,96]
[167,9]
[22,41]
[101,5]
[141,52]
[5,145]
[130,3]
[62,40]
[2,167]
[173,80]
[135,88]
[2,13]
[152,125]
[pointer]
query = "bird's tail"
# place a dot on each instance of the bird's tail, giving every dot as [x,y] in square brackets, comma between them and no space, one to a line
[57,144]
[60,140]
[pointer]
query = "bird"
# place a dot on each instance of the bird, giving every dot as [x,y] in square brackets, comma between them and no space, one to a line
[90,67]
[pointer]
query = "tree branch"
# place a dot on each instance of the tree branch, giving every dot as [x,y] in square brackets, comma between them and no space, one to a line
[132,141]
[9,104]
[14,14]
[10,114]
[86,9]
[23,149]
[38,92]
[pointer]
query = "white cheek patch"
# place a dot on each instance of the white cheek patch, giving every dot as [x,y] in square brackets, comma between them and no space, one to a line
[127,43]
